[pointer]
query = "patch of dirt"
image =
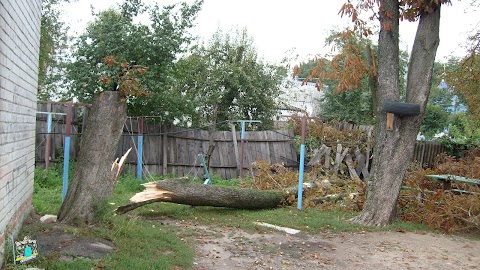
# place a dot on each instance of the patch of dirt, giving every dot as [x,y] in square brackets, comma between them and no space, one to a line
[60,242]
[231,248]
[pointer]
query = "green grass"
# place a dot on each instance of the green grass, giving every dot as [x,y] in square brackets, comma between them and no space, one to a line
[139,243]
[143,243]
[310,220]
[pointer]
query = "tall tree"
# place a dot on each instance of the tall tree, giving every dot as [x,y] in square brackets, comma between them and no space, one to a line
[393,148]
[53,45]
[226,77]
[110,60]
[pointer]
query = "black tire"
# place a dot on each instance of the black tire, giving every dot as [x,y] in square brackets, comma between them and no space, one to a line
[401,108]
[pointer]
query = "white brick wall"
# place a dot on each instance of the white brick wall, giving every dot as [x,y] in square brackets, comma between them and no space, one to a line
[19,48]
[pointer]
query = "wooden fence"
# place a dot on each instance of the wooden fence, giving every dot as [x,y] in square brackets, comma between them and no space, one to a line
[170,150]
[426,151]
[174,150]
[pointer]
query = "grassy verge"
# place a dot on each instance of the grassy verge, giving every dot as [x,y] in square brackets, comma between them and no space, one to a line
[139,243]
[142,243]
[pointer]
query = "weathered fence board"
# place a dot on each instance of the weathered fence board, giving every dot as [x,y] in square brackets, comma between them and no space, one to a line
[426,151]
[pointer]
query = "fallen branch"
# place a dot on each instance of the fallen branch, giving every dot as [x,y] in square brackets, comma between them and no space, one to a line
[186,191]
[283,229]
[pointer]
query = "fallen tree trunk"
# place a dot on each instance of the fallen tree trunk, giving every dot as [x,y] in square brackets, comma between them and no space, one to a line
[186,191]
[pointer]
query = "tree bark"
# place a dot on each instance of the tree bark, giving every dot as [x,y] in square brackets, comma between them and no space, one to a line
[93,181]
[186,191]
[394,149]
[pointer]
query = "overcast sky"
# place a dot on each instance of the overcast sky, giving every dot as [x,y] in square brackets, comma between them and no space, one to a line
[280,26]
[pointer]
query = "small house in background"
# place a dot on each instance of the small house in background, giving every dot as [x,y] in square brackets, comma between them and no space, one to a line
[298,98]
[456,105]
[19,51]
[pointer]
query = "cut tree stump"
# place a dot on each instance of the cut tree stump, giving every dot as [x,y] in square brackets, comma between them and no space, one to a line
[186,191]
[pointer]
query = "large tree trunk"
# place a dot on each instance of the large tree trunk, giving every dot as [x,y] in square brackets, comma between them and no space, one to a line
[394,149]
[186,191]
[92,180]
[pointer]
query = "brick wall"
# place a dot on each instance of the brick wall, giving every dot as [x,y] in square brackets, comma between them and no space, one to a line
[19,47]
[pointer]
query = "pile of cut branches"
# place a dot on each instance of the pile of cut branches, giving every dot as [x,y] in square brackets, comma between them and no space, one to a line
[320,190]
[425,201]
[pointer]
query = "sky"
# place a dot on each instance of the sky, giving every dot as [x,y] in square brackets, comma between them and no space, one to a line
[283,28]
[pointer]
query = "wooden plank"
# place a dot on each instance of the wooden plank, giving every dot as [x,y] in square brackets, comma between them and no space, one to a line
[223,153]
[249,149]
[422,160]
[317,156]
[173,151]
[281,150]
[390,118]
[344,154]
[360,158]
[327,157]
[164,150]
[286,154]
[235,145]
[232,158]
[217,157]
[351,169]
[259,149]
[191,151]
[337,159]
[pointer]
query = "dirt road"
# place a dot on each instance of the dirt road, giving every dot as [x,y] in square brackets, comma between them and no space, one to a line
[235,249]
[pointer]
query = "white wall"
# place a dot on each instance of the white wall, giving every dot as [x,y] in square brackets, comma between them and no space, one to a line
[19,48]
[303,97]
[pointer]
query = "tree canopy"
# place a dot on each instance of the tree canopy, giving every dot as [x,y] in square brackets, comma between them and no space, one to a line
[53,45]
[465,76]
[348,98]
[226,80]
[154,46]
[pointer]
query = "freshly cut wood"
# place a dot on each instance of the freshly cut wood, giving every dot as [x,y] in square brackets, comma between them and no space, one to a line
[151,192]
[186,191]
[119,164]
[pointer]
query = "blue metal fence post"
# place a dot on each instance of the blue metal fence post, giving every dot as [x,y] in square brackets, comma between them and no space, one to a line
[140,149]
[205,169]
[66,150]
[302,164]
[48,145]
[242,142]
